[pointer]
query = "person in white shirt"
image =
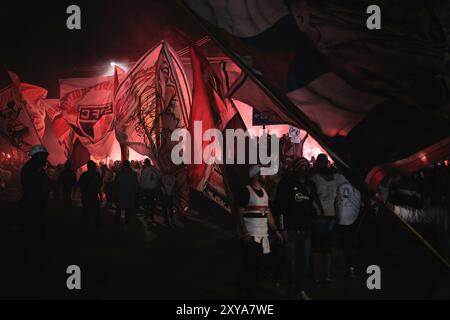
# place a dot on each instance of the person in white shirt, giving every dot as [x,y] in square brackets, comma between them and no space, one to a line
[254,221]
[348,205]
[327,182]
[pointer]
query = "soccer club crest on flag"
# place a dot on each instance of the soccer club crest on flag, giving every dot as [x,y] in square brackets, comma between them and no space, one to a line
[86,105]
[91,116]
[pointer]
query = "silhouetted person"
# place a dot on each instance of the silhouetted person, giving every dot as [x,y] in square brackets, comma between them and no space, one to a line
[67,183]
[35,188]
[167,194]
[90,184]
[149,185]
[126,183]
[348,205]
[327,182]
[296,201]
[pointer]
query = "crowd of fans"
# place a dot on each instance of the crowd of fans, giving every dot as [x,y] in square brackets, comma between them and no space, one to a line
[314,212]
[312,209]
[124,186]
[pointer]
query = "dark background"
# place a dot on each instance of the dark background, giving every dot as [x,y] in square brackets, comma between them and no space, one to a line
[37,45]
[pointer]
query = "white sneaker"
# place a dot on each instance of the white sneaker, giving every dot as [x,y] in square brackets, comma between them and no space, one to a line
[304,296]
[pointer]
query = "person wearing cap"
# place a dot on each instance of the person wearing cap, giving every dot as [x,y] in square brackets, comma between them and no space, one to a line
[296,204]
[35,192]
[254,220]
[90,183]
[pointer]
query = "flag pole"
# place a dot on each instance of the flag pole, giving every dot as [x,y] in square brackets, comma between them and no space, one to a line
[296,113]
[415,233]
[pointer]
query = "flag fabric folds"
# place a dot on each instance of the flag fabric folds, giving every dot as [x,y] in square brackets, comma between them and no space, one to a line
[87,107]
[210,109]
[22,113]
[61,130]
[79,155]
[151,102]
[214,109]
[368,130]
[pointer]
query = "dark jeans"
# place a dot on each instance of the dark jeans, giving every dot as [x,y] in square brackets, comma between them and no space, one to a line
[91,207]
[252,254]
[278,260]
[323,234]
[298,251]
[129,212]
[347,235]
[167,206]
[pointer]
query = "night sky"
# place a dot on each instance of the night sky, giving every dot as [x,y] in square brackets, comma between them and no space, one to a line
[37,45]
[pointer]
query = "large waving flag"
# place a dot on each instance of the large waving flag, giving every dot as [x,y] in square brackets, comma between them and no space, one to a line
[151,102]
[87,107]
[403,60]
[22,113]
[214,109]
[368,131]
[210,110]
[60,128]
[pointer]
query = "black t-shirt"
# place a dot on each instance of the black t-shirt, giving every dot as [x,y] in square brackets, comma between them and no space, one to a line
[294,200]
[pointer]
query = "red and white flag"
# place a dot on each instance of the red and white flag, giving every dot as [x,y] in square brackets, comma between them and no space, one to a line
[210,110]
[60,128]
[151,102]
[87,107]
[22,113]
[338,94]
